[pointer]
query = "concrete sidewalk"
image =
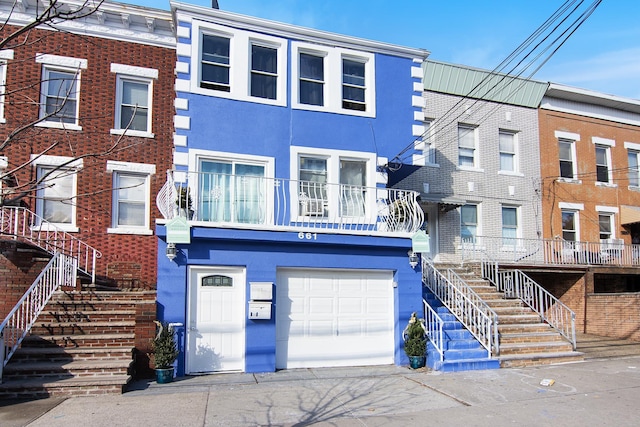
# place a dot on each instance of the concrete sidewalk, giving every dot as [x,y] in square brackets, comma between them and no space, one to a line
[596,392]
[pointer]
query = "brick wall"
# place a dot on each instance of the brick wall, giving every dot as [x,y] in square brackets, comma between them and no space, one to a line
[614,315]
[585,191]
[128,260]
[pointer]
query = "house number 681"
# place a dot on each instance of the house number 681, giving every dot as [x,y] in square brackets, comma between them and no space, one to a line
[307,236]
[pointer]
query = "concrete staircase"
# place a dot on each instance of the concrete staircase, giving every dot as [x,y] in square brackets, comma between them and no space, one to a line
[524,339]
[82,344]
[462,351]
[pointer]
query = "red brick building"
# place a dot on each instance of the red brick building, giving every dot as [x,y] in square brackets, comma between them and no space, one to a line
[102,64]
[86,124]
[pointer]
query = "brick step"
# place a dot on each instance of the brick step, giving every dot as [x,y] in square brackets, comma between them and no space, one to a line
[94,315]
[29,354]
[88,340]
[536,348]
[516,328]
[510,319]
[80,368]
[513,311]
[82,328]
[539,359]
[531,337]
[52,387]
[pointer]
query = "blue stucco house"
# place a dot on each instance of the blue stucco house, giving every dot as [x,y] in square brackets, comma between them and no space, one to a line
[281,246]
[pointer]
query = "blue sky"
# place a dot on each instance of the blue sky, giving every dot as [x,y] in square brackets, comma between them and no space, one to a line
[602,55]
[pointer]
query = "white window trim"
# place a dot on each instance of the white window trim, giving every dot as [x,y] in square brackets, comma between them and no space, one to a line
[478,206]
[607,148]
[516,154]
[574,158]
[333,57]
[333,158]
[53,161]
[137,74]
[635,148]
[240,43]
[571,206]
[131,168]
[5,56]
[612,222]
[476,149]
[64,64]
[576,218]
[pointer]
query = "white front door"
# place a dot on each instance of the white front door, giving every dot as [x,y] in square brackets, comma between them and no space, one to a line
[334,318]
[215,334]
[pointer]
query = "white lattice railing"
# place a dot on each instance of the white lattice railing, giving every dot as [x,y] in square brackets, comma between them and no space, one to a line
[60,271]
[257,202]
[516,284]
[465,304]
[21,224]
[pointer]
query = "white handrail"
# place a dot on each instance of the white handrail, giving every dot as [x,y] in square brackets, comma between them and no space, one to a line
[477,317]
[434,324]
[549,308]
[21,224]
[60,271]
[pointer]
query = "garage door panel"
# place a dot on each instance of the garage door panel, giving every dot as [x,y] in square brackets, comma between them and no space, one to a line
[334,318]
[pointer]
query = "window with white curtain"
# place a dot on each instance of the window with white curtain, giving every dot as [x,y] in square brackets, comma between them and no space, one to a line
[633,157]
[231,191]
[469,223]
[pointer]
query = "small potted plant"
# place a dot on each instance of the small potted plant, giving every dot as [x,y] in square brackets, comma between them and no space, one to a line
[184,202]
[165,352]
[415,342]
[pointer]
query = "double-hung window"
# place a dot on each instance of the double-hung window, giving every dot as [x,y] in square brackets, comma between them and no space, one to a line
[60,90]
[605,222]
[332,79]
[332,184]
[602,164]
[134,94]
[509,225]
[57,190]
[131,197]
[467,149]
[264,71]
[215,63]
[633,157]
[567,161]
[570,225]
[507,143]
[353,85]
[311,79]
[469,223]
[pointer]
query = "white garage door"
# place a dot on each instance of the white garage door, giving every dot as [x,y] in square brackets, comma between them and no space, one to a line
[334,318]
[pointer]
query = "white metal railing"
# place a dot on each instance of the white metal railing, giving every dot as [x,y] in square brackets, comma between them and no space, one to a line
[60,271]
[551,251]
[465,304]
[259,202]
[516,284]
[434,324]
[21,224]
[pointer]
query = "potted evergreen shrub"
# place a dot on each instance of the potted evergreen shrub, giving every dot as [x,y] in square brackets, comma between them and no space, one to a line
[415,342]
[165,352]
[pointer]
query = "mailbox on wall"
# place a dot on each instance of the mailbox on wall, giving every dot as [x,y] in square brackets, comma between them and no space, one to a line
[260,300]
[261,291]
[259,310]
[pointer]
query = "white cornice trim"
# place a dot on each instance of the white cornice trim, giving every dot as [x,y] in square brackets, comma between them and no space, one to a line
[192,12]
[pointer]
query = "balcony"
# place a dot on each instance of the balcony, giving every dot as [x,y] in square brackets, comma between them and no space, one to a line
[608,252]
[261,203]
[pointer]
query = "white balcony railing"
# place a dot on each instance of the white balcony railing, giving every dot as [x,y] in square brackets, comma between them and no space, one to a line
[551,251]
[257,202]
